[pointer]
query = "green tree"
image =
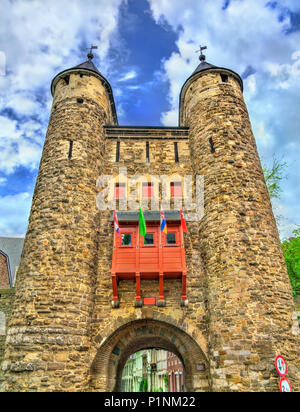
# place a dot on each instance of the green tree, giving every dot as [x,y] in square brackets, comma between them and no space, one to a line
[274,176]
[290,247]
[291,252]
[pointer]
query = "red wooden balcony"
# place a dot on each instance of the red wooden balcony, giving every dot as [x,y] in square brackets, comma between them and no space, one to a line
[155,256]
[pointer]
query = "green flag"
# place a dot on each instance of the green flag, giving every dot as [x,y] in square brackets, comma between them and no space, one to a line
[143,229]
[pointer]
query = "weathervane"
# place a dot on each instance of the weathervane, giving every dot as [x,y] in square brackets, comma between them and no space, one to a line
[201,57]
[90,54]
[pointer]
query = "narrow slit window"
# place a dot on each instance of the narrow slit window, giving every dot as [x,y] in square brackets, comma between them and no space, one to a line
[70,149]
[67,79]
[176,152]
[118,152]
[212,146]
[147,153]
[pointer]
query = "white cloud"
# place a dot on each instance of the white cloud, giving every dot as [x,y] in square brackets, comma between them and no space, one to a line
[3,180]
[13,209]
[128,76]
[39,39]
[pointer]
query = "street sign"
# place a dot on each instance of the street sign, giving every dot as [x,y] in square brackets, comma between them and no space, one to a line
[280,365]
[284,385]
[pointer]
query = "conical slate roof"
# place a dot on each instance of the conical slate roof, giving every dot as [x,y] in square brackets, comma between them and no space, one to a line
[204,66]
[88,65]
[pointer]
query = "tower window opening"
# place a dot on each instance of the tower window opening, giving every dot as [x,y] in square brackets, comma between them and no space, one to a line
[212,146]
[224,78]
[147,153]
[70,149]
[67,79]
[176,152]
[79,101]
[118,152]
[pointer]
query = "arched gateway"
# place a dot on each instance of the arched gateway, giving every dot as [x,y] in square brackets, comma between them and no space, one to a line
[113,353]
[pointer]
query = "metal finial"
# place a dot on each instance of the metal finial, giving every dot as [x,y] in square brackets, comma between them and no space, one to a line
[90,54]
[202,56]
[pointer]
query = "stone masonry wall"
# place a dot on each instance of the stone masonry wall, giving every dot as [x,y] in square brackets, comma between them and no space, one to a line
[249,296]
[48,339]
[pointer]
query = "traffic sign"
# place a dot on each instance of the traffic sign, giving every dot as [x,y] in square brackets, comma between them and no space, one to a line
[284,385]
[280,365]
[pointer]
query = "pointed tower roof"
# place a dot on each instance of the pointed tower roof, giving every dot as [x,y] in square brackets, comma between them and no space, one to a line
[203,67]
[88,67]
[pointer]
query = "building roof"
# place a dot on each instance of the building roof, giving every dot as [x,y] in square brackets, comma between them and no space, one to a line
[203,67]
[12,247]
[150,216]
[88,66]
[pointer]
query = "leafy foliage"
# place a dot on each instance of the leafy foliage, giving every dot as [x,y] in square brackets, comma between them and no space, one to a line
[291,252]
[274,176]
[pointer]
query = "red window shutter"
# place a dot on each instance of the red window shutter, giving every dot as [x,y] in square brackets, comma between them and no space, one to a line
[119,190]
[176,189]
[147,190]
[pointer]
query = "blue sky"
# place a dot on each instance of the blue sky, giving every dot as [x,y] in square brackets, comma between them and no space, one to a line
[146,52]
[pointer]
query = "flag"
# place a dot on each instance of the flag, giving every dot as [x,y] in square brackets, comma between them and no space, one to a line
[183,222]
[143,229]
[116,223]
[163,222]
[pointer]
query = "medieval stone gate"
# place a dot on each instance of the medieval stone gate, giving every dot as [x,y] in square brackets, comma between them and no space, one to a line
[219,298]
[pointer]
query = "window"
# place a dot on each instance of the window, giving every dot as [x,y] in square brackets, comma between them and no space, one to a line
[70,149]
[147,153]
[171,239]
[212,146]
[67,79]
[176,152]
[147,190]
[119,190]
[126,239]
[176,189]
[148,239]
[118,152]
[224,78]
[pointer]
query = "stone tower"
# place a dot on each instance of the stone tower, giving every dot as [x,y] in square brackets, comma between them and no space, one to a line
[78,316]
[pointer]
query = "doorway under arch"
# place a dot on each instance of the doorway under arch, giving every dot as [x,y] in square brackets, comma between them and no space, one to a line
[111,356]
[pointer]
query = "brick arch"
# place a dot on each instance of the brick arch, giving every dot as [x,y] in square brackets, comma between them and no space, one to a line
[111,356]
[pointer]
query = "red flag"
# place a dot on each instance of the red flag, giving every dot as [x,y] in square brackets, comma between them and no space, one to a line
[117,227]
[183,222]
